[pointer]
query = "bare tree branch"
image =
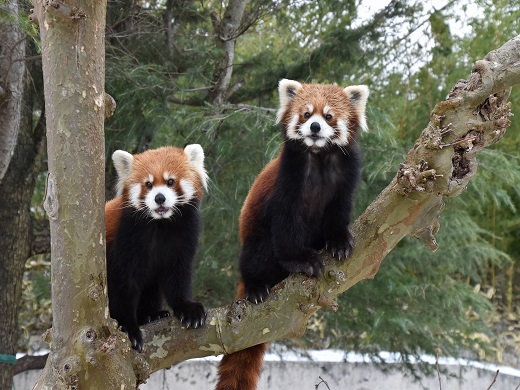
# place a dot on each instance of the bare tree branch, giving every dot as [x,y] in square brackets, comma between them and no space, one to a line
[30,362]
[225,36]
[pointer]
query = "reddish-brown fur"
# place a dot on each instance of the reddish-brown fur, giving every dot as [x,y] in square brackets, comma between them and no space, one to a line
[153,162]
[241,370]
[262,188]
[156,161]
[150,256]
[113,212]
[320,96]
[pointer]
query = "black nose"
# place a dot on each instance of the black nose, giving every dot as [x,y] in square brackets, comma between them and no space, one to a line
[159,198]
[315,127]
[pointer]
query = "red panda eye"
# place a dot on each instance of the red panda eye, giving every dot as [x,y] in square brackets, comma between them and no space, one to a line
[170,182]
[328,117]
[148,184]
[307,115]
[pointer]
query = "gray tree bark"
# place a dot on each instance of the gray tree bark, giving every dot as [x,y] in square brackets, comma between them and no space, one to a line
[12,76]
[87,350]
[21,149]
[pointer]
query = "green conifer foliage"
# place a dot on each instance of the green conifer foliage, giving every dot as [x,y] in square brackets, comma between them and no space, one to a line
[160,68]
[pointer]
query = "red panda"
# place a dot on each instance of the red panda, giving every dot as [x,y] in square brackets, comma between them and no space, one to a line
[152,229]
[300,203]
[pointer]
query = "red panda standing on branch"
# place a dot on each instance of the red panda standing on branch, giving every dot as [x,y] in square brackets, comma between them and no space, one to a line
[152,230]
[300,203]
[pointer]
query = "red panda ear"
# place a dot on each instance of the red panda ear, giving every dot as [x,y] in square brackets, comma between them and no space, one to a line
[358,95]
[287,90]
[196,156]
[123,164]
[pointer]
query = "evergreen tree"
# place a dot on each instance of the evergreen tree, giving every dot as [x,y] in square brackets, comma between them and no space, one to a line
[162,62]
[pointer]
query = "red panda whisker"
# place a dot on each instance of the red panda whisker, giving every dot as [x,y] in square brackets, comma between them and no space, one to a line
[343,150]
[123,206]
[144,212]
[190,203]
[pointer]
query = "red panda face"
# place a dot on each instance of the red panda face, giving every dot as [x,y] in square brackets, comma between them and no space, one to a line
[320,115]
[158,181]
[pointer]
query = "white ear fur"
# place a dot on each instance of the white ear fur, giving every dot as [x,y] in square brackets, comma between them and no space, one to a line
[287,90]
[196,156]
[123,164]
[358,95]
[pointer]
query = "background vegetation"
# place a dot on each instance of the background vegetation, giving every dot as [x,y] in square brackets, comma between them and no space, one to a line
[161,59]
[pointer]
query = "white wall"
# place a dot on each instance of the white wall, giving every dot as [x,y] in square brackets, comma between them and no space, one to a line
[200,375]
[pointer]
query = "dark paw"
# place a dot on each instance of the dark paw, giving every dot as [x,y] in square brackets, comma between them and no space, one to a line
[312,267]
[257,293]
[341,248]
[308,263]
[191,314]
[162,314]
[136,338]
[157,316]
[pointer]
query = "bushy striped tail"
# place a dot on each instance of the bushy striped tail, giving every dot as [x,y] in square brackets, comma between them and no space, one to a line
[241,370]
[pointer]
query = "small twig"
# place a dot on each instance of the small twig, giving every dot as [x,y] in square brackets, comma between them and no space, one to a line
[322,381]
[438,370]
[30,58]
[458,142]
[494,380]
[11,61]
[517,387]
[206,88]
[250,107]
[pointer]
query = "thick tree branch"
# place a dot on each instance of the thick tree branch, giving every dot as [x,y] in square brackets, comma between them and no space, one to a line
[11,84]
[30,362]
[441,163]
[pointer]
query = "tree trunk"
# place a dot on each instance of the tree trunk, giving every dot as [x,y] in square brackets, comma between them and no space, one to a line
[87,350]
[20,150]
[12,77]
[226,34]
[16,237]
